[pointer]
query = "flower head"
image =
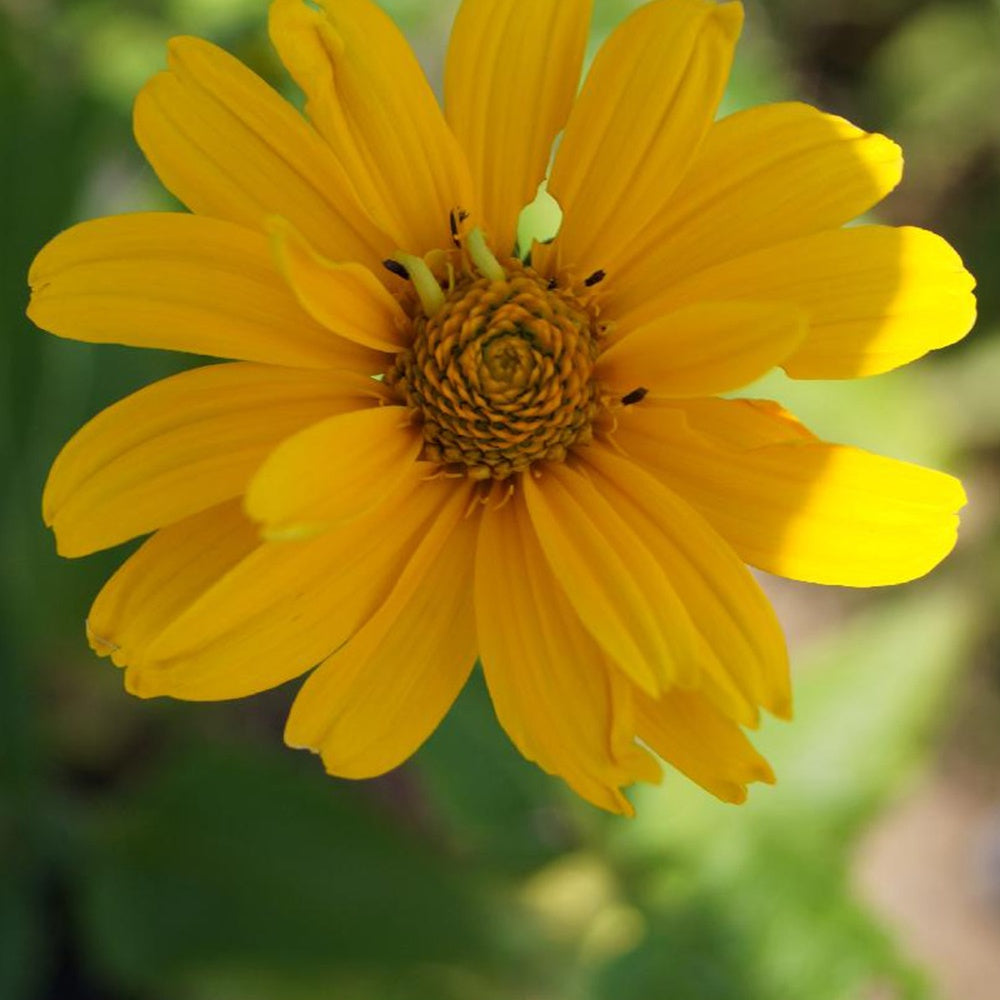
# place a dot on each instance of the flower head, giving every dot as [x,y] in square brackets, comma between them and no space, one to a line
[432,445]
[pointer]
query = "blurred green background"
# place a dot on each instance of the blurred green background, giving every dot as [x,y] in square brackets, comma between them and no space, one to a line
[177,851]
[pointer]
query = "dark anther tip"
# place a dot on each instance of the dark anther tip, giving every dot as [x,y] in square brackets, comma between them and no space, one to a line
[635,396]
[396,268]
[595,279]
[552,284]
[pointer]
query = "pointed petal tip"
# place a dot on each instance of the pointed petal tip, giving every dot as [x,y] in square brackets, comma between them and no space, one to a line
[625,808]
[732,794]
[71,544]
[763,773]
[781,707]
[102,646]
[139,684]
[295,739]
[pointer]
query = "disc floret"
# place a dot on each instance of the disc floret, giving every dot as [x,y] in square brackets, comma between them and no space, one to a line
[500,372]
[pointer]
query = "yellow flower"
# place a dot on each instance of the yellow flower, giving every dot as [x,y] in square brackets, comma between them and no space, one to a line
[544,475]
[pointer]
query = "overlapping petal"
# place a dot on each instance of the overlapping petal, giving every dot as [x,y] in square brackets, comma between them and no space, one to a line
[286,606]
[166,574]
[703,349]
[792,504]
[182,445]
[511,76]
[368,707]
[369,98]
[613,582]
[875,297]
[180,283]
[228,146]
[345,298]
[559,703]
[763,176]
[645,108]
[685,730]
[742,648]
[333,472]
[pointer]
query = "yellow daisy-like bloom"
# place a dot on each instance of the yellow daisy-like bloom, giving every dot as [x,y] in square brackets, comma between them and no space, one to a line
[542,474]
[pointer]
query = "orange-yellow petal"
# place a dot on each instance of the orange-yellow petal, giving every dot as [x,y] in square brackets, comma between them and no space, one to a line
[762,177]
[685,730]
[180,283]
[345,298]
[611,579]
[333,471]
[286,606]
[645,107]
[797,506]
[703,349]
[228,146]
[368,97]
[184,444]
[743,659]
[512,73]
[368,707]
[875,297]
[164,576]
[561,705]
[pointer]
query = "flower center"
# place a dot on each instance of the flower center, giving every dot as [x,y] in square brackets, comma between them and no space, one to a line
[501,374]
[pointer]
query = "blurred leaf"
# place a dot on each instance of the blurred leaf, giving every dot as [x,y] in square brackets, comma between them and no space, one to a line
[768,887]
[498,807]
[238,862]
[940,72]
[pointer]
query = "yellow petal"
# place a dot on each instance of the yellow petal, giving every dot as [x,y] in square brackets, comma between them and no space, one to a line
[333,472]
[228,146]
[875,297]
[184,444]
[561,705]
[685,730]
[164,576]
[345,298]
[368,707]
[180,283]
[744,651]
[512,73]
[704,349]
[797,507]
[368,97]
[288,605]
[614,583]
[647,103]
[762,177]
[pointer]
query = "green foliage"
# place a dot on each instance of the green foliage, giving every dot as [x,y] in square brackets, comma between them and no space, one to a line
[769,888]
[244,863]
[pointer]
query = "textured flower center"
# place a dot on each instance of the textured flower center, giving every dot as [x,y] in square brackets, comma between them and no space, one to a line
[501,374]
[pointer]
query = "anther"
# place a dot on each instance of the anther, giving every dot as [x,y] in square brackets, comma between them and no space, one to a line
[635,396]
[396,268]
[553,283]
[595,279]
[455,218]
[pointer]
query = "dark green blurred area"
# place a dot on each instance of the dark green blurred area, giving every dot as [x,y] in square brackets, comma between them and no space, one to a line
[163,850]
